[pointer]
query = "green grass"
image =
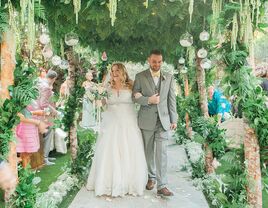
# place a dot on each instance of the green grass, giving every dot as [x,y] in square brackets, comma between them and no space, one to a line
[265,195]
[49,174]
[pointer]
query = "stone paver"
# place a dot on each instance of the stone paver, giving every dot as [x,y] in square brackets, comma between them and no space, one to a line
[186,195]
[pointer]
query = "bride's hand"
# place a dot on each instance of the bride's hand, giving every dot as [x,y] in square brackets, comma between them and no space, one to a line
[137,95]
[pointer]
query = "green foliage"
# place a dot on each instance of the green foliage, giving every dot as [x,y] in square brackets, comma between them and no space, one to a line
[208,129]
[82,163]
[74,102]
[3,22]
[22,93]
[198,169]
[137,30]
[26,192]
[185,105]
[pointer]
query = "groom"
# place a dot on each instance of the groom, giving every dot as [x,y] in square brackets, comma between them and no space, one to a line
[154,91]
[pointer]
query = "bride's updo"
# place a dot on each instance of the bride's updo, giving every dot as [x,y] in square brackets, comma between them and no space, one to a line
[123,76]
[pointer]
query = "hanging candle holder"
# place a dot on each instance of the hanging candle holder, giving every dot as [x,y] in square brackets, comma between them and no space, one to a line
[202,53]
[44,39]
[186,40]
[71,39]
[64,64]
[181,60]
[56,60]
[206,63]
[204,36]
[47,52]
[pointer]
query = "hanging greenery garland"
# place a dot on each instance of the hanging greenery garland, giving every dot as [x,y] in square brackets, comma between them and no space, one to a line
[112,9]
[191,9]
[146,3]
[77,8]
[234,32]
[216,10]
[31,27]
[23,6]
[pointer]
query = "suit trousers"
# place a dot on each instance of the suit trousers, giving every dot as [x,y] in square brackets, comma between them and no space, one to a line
[48,138]
[155,146]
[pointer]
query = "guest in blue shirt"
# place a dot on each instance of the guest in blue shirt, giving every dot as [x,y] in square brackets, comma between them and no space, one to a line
[218,104]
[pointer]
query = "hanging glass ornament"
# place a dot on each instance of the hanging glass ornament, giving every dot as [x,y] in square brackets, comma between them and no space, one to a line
[47,52]
[56,60]
[204,36]
[44,39]
[184,70]
[186,40]
[71,39]
[202,53]
[181,60]
[205,63]
[64,64]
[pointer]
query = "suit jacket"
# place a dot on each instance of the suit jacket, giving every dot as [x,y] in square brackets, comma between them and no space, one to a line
[166,109]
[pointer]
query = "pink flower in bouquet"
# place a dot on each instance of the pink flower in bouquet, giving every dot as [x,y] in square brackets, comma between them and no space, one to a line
[104,56]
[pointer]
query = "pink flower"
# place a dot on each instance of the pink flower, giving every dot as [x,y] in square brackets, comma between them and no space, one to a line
[104,56]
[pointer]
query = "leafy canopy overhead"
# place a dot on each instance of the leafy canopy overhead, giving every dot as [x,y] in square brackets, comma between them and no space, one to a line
[136,31]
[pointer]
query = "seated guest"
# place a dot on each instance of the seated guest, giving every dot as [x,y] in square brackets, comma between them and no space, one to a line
[218,104]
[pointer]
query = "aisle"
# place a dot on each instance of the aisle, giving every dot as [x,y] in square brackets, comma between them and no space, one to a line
[186,196]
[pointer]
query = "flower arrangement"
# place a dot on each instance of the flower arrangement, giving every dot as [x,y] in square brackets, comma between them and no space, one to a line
[57,191]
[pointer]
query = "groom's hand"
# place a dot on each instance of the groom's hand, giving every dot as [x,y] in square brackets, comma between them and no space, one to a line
[154,99]
[173,126]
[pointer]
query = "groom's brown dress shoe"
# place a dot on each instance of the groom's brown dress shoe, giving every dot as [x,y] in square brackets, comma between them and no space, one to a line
[150,185]
[164,192]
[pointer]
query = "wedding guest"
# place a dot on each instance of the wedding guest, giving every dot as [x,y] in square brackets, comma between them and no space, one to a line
[27,133]
[264,83]
[42,75]
[64,92]
[46,93]
[218,104]
[88,113]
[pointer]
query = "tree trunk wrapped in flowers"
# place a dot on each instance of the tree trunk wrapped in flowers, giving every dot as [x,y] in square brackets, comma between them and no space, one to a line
[252,158]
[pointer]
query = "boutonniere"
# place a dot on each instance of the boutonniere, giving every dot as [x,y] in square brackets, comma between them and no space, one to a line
[163,77]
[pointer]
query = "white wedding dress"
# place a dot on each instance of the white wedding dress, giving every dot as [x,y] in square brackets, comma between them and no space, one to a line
[119,164]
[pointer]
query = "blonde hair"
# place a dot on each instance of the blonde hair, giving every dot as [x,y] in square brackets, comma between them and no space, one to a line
[125,80]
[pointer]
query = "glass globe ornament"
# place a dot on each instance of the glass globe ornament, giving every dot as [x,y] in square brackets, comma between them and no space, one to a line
[64,64]
[56,60]
[47,52]
[186,40]
[44,39]
[206,63]
[204,36]
[181,60]
[202,53]
[71,39]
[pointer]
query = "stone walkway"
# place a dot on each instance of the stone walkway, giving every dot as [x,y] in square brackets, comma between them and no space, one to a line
[186,195]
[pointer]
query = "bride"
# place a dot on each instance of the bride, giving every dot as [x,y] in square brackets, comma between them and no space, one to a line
[119,165]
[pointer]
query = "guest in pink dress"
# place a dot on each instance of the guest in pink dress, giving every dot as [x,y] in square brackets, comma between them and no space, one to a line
[27,134]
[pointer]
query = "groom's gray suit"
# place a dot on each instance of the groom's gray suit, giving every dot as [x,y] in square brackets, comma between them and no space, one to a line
[155,120]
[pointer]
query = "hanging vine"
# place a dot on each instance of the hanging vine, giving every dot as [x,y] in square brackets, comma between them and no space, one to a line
[77,8]
[234,32]
[113,9]
[31,27]
[191,9]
